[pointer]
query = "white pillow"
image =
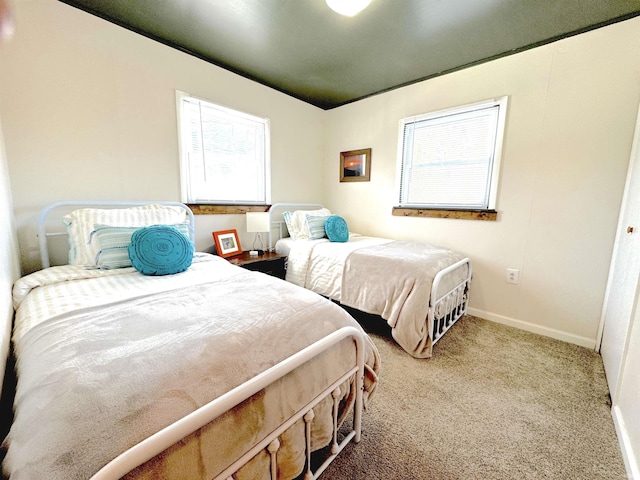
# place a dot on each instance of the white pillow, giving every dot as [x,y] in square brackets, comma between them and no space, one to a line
[80,223]
[297,222]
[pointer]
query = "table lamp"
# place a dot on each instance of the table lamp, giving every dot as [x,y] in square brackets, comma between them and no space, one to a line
[258,222]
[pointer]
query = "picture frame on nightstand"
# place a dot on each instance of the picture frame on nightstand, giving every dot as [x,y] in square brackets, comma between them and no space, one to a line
[227,243]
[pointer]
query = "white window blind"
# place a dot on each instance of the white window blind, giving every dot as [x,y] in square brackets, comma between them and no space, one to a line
[450,159]
[224,154]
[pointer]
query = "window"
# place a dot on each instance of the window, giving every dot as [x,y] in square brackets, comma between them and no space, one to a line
[224,154]
[450,159]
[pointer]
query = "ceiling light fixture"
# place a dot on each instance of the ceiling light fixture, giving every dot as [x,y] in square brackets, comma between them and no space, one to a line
[7,26]
[348,8]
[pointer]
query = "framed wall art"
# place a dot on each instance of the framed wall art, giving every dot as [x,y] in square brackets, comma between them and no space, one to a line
[355,165]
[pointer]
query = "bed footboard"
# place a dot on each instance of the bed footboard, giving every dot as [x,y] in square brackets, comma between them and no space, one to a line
[165,438]
[450,306]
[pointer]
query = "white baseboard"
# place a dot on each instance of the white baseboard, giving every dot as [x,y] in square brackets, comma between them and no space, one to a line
[630,461]
[530,327]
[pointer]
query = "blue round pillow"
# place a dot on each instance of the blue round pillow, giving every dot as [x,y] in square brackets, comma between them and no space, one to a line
[160,250]
[336,229]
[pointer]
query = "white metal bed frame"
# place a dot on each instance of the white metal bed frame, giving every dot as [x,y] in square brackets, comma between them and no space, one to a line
[443,312]
[170,435]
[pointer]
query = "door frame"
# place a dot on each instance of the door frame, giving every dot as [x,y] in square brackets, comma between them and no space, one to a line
[634,163]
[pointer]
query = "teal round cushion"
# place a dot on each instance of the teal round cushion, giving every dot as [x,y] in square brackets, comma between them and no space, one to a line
[160,250]
[336,228]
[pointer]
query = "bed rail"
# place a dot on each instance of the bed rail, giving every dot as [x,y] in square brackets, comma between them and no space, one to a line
[447,309]
[45,213]
[160,441]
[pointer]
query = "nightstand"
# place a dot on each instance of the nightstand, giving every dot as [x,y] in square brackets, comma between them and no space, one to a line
[269,263]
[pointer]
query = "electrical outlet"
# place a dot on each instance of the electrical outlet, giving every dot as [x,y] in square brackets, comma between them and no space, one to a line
[513,276]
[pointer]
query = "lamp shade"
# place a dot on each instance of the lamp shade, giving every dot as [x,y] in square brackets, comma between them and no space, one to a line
[348,8]
[258,222]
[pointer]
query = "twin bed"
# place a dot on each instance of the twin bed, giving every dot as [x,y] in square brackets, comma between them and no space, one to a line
[210,372]
[420,289]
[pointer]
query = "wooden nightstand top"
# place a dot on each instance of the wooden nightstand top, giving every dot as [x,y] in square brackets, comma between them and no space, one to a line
[244,258]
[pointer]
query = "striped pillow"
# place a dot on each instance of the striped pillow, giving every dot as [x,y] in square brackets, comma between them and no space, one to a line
[114,243]
[316,227]
[287,220]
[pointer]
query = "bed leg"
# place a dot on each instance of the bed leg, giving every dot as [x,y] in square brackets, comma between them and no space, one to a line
[273,448]
[359,407]
[273,453]
[308,418]
[335,448]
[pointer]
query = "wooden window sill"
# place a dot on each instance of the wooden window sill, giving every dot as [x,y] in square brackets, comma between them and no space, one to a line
[490,215]
[198,209]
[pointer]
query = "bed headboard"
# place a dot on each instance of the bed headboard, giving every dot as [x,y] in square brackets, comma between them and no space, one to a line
[46,227]
[277,221]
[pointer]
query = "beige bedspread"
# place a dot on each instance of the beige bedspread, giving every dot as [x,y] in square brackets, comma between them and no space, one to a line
[94,381]
[394,280]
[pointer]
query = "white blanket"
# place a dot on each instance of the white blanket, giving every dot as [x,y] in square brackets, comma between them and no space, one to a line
[318,265]
[56,290]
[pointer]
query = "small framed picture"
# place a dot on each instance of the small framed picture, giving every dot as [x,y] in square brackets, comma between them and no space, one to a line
[227,243]
[355,165]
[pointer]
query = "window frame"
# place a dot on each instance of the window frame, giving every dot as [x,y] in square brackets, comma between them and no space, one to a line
[403,207]
[227,206]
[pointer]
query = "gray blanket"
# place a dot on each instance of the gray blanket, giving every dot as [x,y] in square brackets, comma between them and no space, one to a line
[94,382]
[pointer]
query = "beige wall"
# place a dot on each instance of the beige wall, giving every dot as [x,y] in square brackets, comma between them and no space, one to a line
[90,113]
[9,266]
[572,108]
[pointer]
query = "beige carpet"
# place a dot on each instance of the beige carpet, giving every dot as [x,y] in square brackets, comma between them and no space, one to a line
[493,402]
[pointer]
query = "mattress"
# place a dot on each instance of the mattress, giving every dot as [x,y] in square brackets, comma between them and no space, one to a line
[318,264]
[283,246]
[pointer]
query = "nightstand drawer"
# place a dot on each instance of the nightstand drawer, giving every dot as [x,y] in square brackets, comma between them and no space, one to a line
[269,263]
[270,267]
